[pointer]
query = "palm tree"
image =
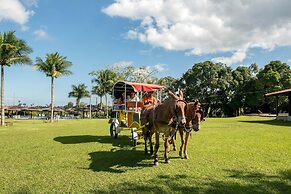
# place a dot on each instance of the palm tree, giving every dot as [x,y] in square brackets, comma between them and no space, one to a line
[12,51]
[105,79]
[79,92]
[99,92]
[54,66]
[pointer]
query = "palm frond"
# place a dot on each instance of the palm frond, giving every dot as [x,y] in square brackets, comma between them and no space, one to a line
[54,65]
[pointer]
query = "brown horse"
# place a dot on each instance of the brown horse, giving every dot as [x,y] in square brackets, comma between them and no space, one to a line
[194,116]
[157,121]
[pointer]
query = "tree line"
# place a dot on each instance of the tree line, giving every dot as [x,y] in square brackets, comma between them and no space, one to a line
[226,91]
[231,92]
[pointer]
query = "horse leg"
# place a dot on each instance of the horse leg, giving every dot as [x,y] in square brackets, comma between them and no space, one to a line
[173,142]
[186,145]
[147,136]
[145,145]
[156,161]
[151,144]
[167,150]
[182,142]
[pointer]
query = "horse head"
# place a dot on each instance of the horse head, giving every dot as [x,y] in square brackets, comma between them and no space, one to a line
[179,107]
[197,116]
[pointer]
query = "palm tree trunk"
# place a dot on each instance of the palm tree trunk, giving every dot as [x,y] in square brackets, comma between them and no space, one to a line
[106,106]
[101,104]
[52,100]
[2,97]
[96,106]
[78,102]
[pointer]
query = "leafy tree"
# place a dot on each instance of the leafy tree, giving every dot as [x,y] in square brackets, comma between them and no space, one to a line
[209,82]
[70,105]
[142,74]
[170,83]
[273,77]
[79,92]
[12,51]
[53,66]
[241,77]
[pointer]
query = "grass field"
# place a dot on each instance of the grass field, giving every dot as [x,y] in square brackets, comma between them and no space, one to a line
[231,155]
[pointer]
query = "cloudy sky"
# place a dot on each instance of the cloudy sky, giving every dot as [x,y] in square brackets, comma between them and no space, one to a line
[168,35]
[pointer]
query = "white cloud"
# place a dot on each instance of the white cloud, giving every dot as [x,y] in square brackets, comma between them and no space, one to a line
[41,34]
[237,57]
[208,26]
[14,10]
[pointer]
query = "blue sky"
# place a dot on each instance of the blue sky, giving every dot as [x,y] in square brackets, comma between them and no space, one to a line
[172,34]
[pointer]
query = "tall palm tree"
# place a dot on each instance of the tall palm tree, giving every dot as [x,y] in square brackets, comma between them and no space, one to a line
[79,92]
[105,79]
[53,66]
[99,92]
[12,51]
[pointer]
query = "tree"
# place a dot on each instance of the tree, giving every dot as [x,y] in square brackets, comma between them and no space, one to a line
[53,66]
[273,77]
[97,90]
[144,74]
[105,79]
[209,82]
[70,105]
[242,76]
[79,92]
[12,51]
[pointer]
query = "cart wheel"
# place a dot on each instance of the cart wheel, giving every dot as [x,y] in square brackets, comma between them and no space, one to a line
[113,132]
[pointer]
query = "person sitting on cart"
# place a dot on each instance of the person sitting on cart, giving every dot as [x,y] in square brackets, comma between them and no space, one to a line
[121,100]
[133,97]
[149,99]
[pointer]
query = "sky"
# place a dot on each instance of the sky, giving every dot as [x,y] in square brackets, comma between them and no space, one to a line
[169,35]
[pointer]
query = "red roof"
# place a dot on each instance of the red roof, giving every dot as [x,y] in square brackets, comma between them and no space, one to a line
[119,88]
[138,87]
[144,87]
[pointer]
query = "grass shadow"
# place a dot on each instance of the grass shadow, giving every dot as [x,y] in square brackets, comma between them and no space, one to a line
[270,122]
[118,160]
[121,141]
[252,182]
[162,184]
[258,182]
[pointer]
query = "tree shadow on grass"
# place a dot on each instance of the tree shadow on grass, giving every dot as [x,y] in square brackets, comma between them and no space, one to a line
[270,122]
[249,182]
[118,160]
[258,182]
[160,184]
[121,141]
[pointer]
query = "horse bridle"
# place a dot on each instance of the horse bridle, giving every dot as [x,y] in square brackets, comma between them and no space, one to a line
[188,128]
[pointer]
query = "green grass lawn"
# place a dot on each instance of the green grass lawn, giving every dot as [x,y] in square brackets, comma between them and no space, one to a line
[231,155]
